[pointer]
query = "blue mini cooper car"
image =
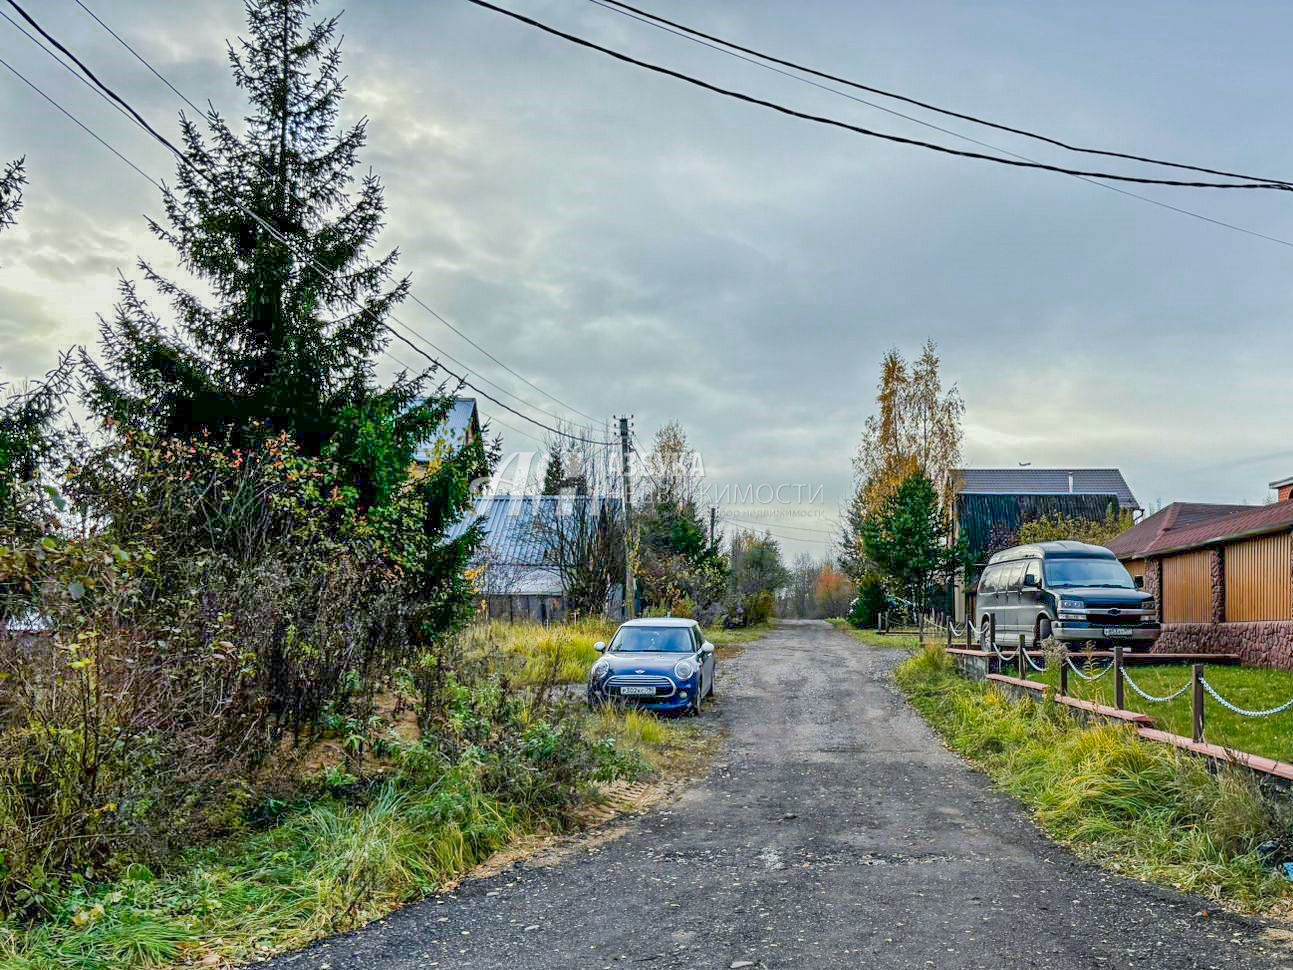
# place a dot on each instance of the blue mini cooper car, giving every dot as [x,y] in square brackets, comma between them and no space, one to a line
[659,664]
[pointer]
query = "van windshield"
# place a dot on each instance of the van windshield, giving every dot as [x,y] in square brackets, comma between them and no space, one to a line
[1067,573]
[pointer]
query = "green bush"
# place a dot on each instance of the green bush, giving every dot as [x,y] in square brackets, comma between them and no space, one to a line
[758,608]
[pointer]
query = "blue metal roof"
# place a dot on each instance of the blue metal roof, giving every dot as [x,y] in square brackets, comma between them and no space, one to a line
[458,428]
[517,551]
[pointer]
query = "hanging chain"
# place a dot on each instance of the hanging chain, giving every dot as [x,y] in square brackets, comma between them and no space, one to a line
[1236,709]
[1126,676]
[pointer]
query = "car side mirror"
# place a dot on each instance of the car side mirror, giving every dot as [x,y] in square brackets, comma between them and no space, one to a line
[706,647]
[1139,582]
[1030,582]
[599,646]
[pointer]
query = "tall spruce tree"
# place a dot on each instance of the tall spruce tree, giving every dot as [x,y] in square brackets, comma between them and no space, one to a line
[287,339]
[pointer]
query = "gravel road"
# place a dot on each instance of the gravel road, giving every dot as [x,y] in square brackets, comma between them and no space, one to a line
[833,831]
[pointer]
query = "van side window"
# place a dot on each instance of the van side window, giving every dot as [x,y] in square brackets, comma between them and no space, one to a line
[1013,578]
[1035,571]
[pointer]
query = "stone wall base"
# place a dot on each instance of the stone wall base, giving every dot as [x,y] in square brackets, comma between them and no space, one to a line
[1260,644]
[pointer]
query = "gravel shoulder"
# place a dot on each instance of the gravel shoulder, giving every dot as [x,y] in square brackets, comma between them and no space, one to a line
[834,830]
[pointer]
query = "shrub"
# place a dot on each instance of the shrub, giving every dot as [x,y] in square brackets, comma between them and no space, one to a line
[227,601]
[758,608]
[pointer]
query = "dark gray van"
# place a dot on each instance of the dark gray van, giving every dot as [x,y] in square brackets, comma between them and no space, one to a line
[1072,591]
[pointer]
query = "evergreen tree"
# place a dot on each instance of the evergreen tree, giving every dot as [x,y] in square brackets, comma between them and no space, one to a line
[906,538]
[28,439]
[287,340]
[554,474]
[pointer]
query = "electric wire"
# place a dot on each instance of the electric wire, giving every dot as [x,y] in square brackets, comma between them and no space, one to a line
[645,15]
[858,129]
[612,6]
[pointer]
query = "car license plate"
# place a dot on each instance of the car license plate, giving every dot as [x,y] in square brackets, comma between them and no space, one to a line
[633,691]
[1117,631]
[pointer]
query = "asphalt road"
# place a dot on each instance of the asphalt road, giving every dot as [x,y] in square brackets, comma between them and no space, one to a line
[834,831]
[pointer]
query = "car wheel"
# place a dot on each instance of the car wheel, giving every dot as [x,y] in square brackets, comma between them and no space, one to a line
[694,710]
[1041,631]
[712,677]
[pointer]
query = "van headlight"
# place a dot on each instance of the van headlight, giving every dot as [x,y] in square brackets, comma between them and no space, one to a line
[1072,605]
[685,669]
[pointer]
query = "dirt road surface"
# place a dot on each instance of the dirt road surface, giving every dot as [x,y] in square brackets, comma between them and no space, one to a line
[833,831]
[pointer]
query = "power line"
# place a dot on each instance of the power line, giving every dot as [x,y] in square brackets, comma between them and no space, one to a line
[21,77]
[783,525]
[698,39]
[779,535]
[623,7]
[412,296]
[269,229]
[858,129]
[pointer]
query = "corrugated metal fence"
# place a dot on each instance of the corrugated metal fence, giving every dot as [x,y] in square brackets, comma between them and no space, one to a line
[1259,579]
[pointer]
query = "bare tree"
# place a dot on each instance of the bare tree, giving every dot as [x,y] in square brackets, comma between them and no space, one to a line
[580,530]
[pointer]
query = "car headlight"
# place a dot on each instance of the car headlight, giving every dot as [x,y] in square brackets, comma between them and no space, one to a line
[685,669]
[1072,605]
[1148,606]
[600,670]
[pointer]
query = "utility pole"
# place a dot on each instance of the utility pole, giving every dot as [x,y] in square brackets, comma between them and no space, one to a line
[713,513]
[629,586]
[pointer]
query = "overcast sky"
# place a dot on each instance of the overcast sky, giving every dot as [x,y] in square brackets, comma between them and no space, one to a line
[632,244]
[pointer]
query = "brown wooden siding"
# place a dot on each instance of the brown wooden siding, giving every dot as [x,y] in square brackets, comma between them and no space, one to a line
[1259,584]
[1136,567]
[1187,587]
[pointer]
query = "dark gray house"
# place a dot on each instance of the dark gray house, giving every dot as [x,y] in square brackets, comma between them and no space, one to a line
[990,504]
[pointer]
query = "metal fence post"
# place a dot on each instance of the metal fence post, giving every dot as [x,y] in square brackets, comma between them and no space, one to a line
[1023,657]
[1119,689]
[968,643]
[1064,677]
[1197,682]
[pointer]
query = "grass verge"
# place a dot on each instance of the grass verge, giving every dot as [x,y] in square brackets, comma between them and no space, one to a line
[1143,810]
[888,641]
[328,865]
[1249,687]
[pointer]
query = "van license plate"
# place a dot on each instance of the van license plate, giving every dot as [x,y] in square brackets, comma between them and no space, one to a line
[637,692]
[1117,631]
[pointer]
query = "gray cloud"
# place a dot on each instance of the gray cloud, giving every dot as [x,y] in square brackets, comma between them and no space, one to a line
[637,246]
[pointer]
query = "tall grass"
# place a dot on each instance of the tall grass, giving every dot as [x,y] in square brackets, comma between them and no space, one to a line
[1142,809]
[537,654]
[326,868]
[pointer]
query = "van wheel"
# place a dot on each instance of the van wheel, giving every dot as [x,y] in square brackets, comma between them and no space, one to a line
[1041,631]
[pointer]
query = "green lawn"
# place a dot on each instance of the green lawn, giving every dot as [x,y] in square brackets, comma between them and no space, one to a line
[1249,687]
[720,637]
[890,641]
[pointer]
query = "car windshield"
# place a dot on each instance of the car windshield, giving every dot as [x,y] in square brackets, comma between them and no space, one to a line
[1062,573]
[653,639]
